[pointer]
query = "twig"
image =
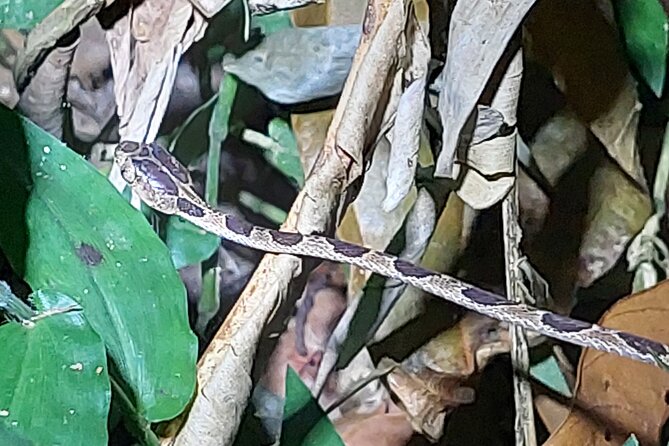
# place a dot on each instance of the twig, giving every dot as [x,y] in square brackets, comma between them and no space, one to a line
[520,360]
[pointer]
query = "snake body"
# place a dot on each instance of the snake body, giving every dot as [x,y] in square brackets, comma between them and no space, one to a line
[165,185]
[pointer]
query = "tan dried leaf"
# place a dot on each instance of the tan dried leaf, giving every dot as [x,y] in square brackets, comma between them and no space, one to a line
[617,210]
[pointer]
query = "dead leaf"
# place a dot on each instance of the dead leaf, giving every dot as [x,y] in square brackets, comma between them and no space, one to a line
[619,395]
[479,33]
[489,167]
[617,210]
[429,383]
[310,130]
[581,47]
[448,239]
[382,429]
[297,65]
[558,144]
[43,37]
[552,413]
[408,121]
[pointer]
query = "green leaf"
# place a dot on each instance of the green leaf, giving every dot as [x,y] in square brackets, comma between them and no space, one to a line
[644,26]
[209,302]
[219,127]
[271,23]
[548,372]
[255,204]
[54,386]
[188,243]
[25,14]
[631,441]
[66,228]
[286,156]
[305,423]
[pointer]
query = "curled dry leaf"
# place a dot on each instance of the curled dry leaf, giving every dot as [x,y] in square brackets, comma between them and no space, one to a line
[479,33]
[489,168]
[428,384]
[616,396]
[617,211]
[42,99]
[91,90]
[576,41]
[43,37]
[297,65]
[419,227]
[408,119]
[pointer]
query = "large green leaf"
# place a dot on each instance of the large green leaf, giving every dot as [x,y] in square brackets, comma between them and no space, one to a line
[644,25]
[67,229]
[305,423]
[24,14]
[54,386]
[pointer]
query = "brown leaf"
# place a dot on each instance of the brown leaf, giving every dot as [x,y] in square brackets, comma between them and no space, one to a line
[382,429]
[619,395]
[429,383]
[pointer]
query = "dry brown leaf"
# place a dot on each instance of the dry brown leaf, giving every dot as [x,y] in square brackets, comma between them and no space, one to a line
[617,210]
[419,227]
[552,413]
[619,395]
[576,41]
[381,429]
[479,33]
[558,144]
[310,130]
[428,384]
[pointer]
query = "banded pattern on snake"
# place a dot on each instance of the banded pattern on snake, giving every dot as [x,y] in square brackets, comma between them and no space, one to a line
[165,185]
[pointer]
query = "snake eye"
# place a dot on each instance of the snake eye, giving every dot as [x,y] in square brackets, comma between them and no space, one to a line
[128,172]
[127,146]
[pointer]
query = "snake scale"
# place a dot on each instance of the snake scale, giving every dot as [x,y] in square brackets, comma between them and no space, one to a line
[165,185]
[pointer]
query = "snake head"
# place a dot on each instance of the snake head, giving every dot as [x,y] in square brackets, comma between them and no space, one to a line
[123,156]
[155,175]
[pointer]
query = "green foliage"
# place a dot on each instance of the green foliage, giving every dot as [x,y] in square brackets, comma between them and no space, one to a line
[644,26]
[188,244]
[25,14]
[271,23]
[305,423]
[286,156]
[54,386]
[548,372]
[65,228]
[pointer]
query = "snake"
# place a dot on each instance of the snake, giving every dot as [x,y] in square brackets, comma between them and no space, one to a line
[165,185]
